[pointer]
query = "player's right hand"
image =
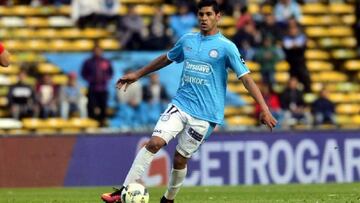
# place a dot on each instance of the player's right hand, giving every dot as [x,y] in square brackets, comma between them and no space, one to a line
[126,80]
[267,119]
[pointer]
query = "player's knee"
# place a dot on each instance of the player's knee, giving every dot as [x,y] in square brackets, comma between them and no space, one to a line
[155,144]
[179,161]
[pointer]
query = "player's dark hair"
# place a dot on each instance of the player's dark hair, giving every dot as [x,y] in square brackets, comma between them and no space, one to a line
[212,3]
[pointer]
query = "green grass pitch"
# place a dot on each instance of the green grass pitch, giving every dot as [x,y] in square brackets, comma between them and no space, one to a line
[315,193]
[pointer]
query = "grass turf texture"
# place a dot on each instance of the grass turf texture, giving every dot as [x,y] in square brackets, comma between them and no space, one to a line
[236,194]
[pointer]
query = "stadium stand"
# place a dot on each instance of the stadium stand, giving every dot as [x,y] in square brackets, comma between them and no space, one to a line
[331,56]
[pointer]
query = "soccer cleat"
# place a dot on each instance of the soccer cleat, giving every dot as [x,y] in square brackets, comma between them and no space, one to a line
[114,197]
[164,200]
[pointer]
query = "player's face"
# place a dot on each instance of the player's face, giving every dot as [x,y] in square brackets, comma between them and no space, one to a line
[208,20]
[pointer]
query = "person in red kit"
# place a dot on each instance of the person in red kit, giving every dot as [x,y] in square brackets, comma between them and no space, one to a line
[97,71]
[4,56]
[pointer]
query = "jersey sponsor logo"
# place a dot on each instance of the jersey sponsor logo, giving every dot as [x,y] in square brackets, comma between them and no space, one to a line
[194,80]
[213,53]
[198,67]
[197,136]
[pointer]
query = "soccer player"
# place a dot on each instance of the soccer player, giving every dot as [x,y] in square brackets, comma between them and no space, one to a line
[4,56]
[198,105]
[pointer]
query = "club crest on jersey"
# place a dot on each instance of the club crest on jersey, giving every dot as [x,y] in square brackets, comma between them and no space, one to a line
[213,53]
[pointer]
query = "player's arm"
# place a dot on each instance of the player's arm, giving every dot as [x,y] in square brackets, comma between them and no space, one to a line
[4,56]
[153,66]
[265,116]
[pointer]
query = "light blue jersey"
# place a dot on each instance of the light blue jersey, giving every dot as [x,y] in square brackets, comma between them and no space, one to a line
[203,82]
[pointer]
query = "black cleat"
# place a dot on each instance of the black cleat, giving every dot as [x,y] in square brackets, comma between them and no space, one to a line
[164,200]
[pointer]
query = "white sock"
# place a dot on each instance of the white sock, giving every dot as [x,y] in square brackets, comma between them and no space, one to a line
[176,180]
[141,163]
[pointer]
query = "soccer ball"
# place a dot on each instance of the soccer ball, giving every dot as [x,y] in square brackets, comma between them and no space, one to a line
[134,193]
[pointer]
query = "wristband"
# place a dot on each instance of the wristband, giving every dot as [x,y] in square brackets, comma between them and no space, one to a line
[2,48]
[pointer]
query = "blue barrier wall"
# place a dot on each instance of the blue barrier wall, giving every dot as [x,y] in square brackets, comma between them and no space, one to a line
[239,158]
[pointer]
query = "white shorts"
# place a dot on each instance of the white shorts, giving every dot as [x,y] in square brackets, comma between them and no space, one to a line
[191,132]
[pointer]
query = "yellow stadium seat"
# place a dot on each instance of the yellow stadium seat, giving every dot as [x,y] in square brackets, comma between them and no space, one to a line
[338,97]
[3,102]
[4,11]
[232,77]
[227,21]
[241,121]
[70,33]
[341,8]
[56,123]
[14,45]
[64,10]
[354,97]
[11,70]
[36,45]
[317,31]
[329,76]
[248,99]
[314,8]
[60,45]
[329,42]
[282,66]
[309,20]
[348,108]
[253,66]
[352,65]
[356,120]
[256,76]
[23,33]
[319,65]
[348,19]
[47,33]
[340,31]
[253,8]
[48,68]
[348,42]
[282,77]
[344,54]
[311,44]
[83,123]
[60,79]
[142,9]
[23,10]
[328,20]
[229,32]
[316,54]
[36,22]
[83,45]
[109,44]
[33,123]
[168,9]
[310,97]
[94,33]
[317,86]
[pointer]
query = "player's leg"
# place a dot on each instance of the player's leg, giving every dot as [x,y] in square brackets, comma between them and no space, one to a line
[169,125]
[190,140]
[177,176]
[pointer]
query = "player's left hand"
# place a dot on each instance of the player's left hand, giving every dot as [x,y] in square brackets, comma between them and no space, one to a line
[126,80]
[267,119]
